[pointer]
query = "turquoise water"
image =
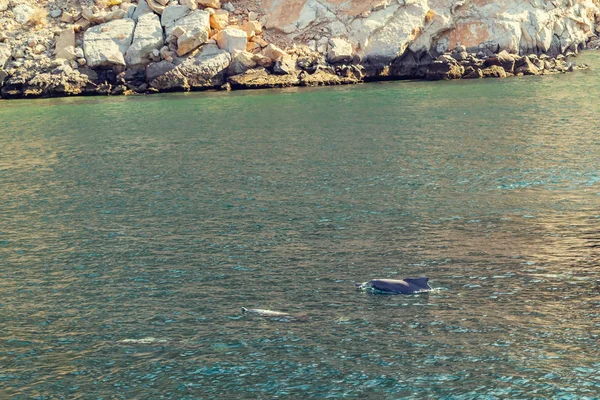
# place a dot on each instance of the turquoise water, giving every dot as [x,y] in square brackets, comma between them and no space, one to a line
[129,218]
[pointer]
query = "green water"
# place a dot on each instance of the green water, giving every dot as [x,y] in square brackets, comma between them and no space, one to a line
[161,216]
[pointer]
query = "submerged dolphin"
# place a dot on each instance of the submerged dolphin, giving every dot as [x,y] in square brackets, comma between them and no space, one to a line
[282,316]
[396,286]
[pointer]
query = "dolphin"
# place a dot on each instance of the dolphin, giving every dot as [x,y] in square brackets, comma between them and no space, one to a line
[281,316]
[396,286]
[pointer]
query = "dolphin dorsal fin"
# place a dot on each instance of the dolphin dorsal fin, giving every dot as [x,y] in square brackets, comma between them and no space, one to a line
[420,282]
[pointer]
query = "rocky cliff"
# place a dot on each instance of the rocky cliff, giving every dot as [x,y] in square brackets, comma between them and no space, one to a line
[384,29]
[64,47]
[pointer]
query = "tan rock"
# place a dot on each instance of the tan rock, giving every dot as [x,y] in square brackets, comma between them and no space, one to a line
[259,40]
[273,52]
[210,3]
[252,28]
[262,60]
[81,25]
[219,20]
[67,17]
[65,44]
[253,47]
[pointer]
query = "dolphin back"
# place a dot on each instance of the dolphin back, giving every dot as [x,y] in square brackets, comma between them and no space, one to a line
[422,283]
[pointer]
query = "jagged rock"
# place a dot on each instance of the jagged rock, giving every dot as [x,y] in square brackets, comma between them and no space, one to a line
[219,20]
[5,54]
[503,59]
[252,28]
[340,51]
[148,36]
[206,70]
[156,6]
[260,78]
[273,52]
[22,13]
[3,76]
[141,9]
[232,40]
[325,77]
[242,62]
[526,67]
[495,71]
[65,44]
[472,73]
[172,14]
[284,66]
[195,23]
[106,44]
[210,3]
[101,17]
[154,70]
[445,67]
[262,60]
[61,82]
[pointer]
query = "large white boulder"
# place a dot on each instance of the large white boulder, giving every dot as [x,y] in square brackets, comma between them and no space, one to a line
[147,37]
[340,50]
[232,40]
[106,44]
[197,22]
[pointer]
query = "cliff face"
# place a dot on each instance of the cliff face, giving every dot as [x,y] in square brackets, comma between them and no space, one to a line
[384,29]
[66,47]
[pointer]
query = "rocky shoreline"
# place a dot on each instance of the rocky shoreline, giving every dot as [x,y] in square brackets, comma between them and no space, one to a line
[116,47]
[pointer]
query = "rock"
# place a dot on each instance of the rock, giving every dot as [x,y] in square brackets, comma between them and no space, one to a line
[325,77]
[339,51]
[5,54]
[273,52]
[101,17]
[22,13]
[56,13]
[445,67]
[472,73]
[262,60]
[157,6]
[106,44]
[141,9]
[526,67]
[62,82]
[191,31]
[195,23]
[67,17]
[495,71]
[284,66]
[229,7]
[191,4]
[154,70]
[172,14]
[210,3]
[206,70]
[252,28]
[148,36]
[81,25]
[260,78]
[65,44]
[3,76]
[219,20]
[242,62]
[232,40]
[503,59]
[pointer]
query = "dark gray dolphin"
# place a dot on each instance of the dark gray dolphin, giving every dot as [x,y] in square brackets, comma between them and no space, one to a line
[396,286]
